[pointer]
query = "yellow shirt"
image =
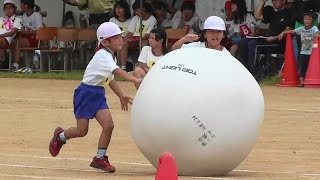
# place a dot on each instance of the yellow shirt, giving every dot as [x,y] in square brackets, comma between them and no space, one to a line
[97,6]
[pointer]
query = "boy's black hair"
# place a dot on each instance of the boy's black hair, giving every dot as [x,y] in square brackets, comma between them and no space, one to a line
[30,3]
[188,6]
[145,5]
[311,14]
[160,5]
[123,4]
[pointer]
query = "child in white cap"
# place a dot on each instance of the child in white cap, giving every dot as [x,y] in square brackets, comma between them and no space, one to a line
[89,98]
[9,26]
[214,28]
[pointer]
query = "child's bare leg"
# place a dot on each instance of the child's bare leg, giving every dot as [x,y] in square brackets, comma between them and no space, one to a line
[138,72]
[80,131]
[101,161]
[20,44]
[105,120]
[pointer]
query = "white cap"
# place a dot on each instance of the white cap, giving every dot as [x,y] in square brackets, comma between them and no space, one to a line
[214,23]
[9,2]
[106,30]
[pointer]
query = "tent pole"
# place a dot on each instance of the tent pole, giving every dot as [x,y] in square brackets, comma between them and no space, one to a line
[140,28]
[63,12]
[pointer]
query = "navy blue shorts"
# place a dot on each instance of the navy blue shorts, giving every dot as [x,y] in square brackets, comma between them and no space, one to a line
[88,100]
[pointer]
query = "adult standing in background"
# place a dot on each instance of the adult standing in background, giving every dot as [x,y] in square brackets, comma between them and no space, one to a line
[279,19]
[99,10]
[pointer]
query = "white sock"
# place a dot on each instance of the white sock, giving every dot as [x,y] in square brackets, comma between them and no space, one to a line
[16,65]
[62,137]
[101,153]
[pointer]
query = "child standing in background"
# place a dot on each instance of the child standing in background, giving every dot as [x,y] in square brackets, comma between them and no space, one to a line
[89,99]
[307,32]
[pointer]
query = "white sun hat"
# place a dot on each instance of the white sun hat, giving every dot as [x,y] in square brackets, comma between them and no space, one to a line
[214,23]
[106,30]
[9,2]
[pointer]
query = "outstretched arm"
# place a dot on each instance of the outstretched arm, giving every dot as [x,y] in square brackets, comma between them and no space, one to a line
[185,39]
[121,73]
[124,99]
[286,32]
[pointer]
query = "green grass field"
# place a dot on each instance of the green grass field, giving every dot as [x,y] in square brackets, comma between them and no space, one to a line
[77,75]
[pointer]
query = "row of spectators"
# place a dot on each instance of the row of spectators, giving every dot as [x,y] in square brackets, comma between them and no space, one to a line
[241,24]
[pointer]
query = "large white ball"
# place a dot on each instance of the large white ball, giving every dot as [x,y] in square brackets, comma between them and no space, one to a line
[203,106]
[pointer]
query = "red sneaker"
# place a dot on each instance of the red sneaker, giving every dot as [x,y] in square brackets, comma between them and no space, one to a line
[102,164]
[55,143]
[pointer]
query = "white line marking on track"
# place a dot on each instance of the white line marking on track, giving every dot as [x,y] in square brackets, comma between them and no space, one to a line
[292,109]
[70,169]
[86,170]
[288,172]
[38,177]
[77,159]
[133,163]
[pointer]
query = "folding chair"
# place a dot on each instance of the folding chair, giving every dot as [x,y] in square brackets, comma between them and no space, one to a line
[66,43]
[173,35]
[263,61]
[87,43]
[44,35]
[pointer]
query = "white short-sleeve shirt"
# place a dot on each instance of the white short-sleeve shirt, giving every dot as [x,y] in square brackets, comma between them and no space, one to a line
[33,22]
[3,29]
[202,45]
[147,57]
[194,21]
[147,25]
[123,25]
[99,70]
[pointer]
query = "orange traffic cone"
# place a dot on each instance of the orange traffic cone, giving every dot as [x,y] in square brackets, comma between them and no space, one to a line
[313,72]
[167,169]
[289,75]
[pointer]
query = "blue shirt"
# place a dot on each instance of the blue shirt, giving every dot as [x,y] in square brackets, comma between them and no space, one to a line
[307,36]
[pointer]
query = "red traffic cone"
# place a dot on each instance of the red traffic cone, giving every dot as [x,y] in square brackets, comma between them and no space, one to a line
[289,75]
[167,169]
[313,72]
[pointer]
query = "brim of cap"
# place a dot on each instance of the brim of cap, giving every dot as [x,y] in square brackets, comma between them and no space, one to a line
[112,35]
[214,28]
[10,3]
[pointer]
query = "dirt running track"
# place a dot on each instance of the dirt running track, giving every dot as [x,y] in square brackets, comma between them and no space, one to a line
[288,146]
